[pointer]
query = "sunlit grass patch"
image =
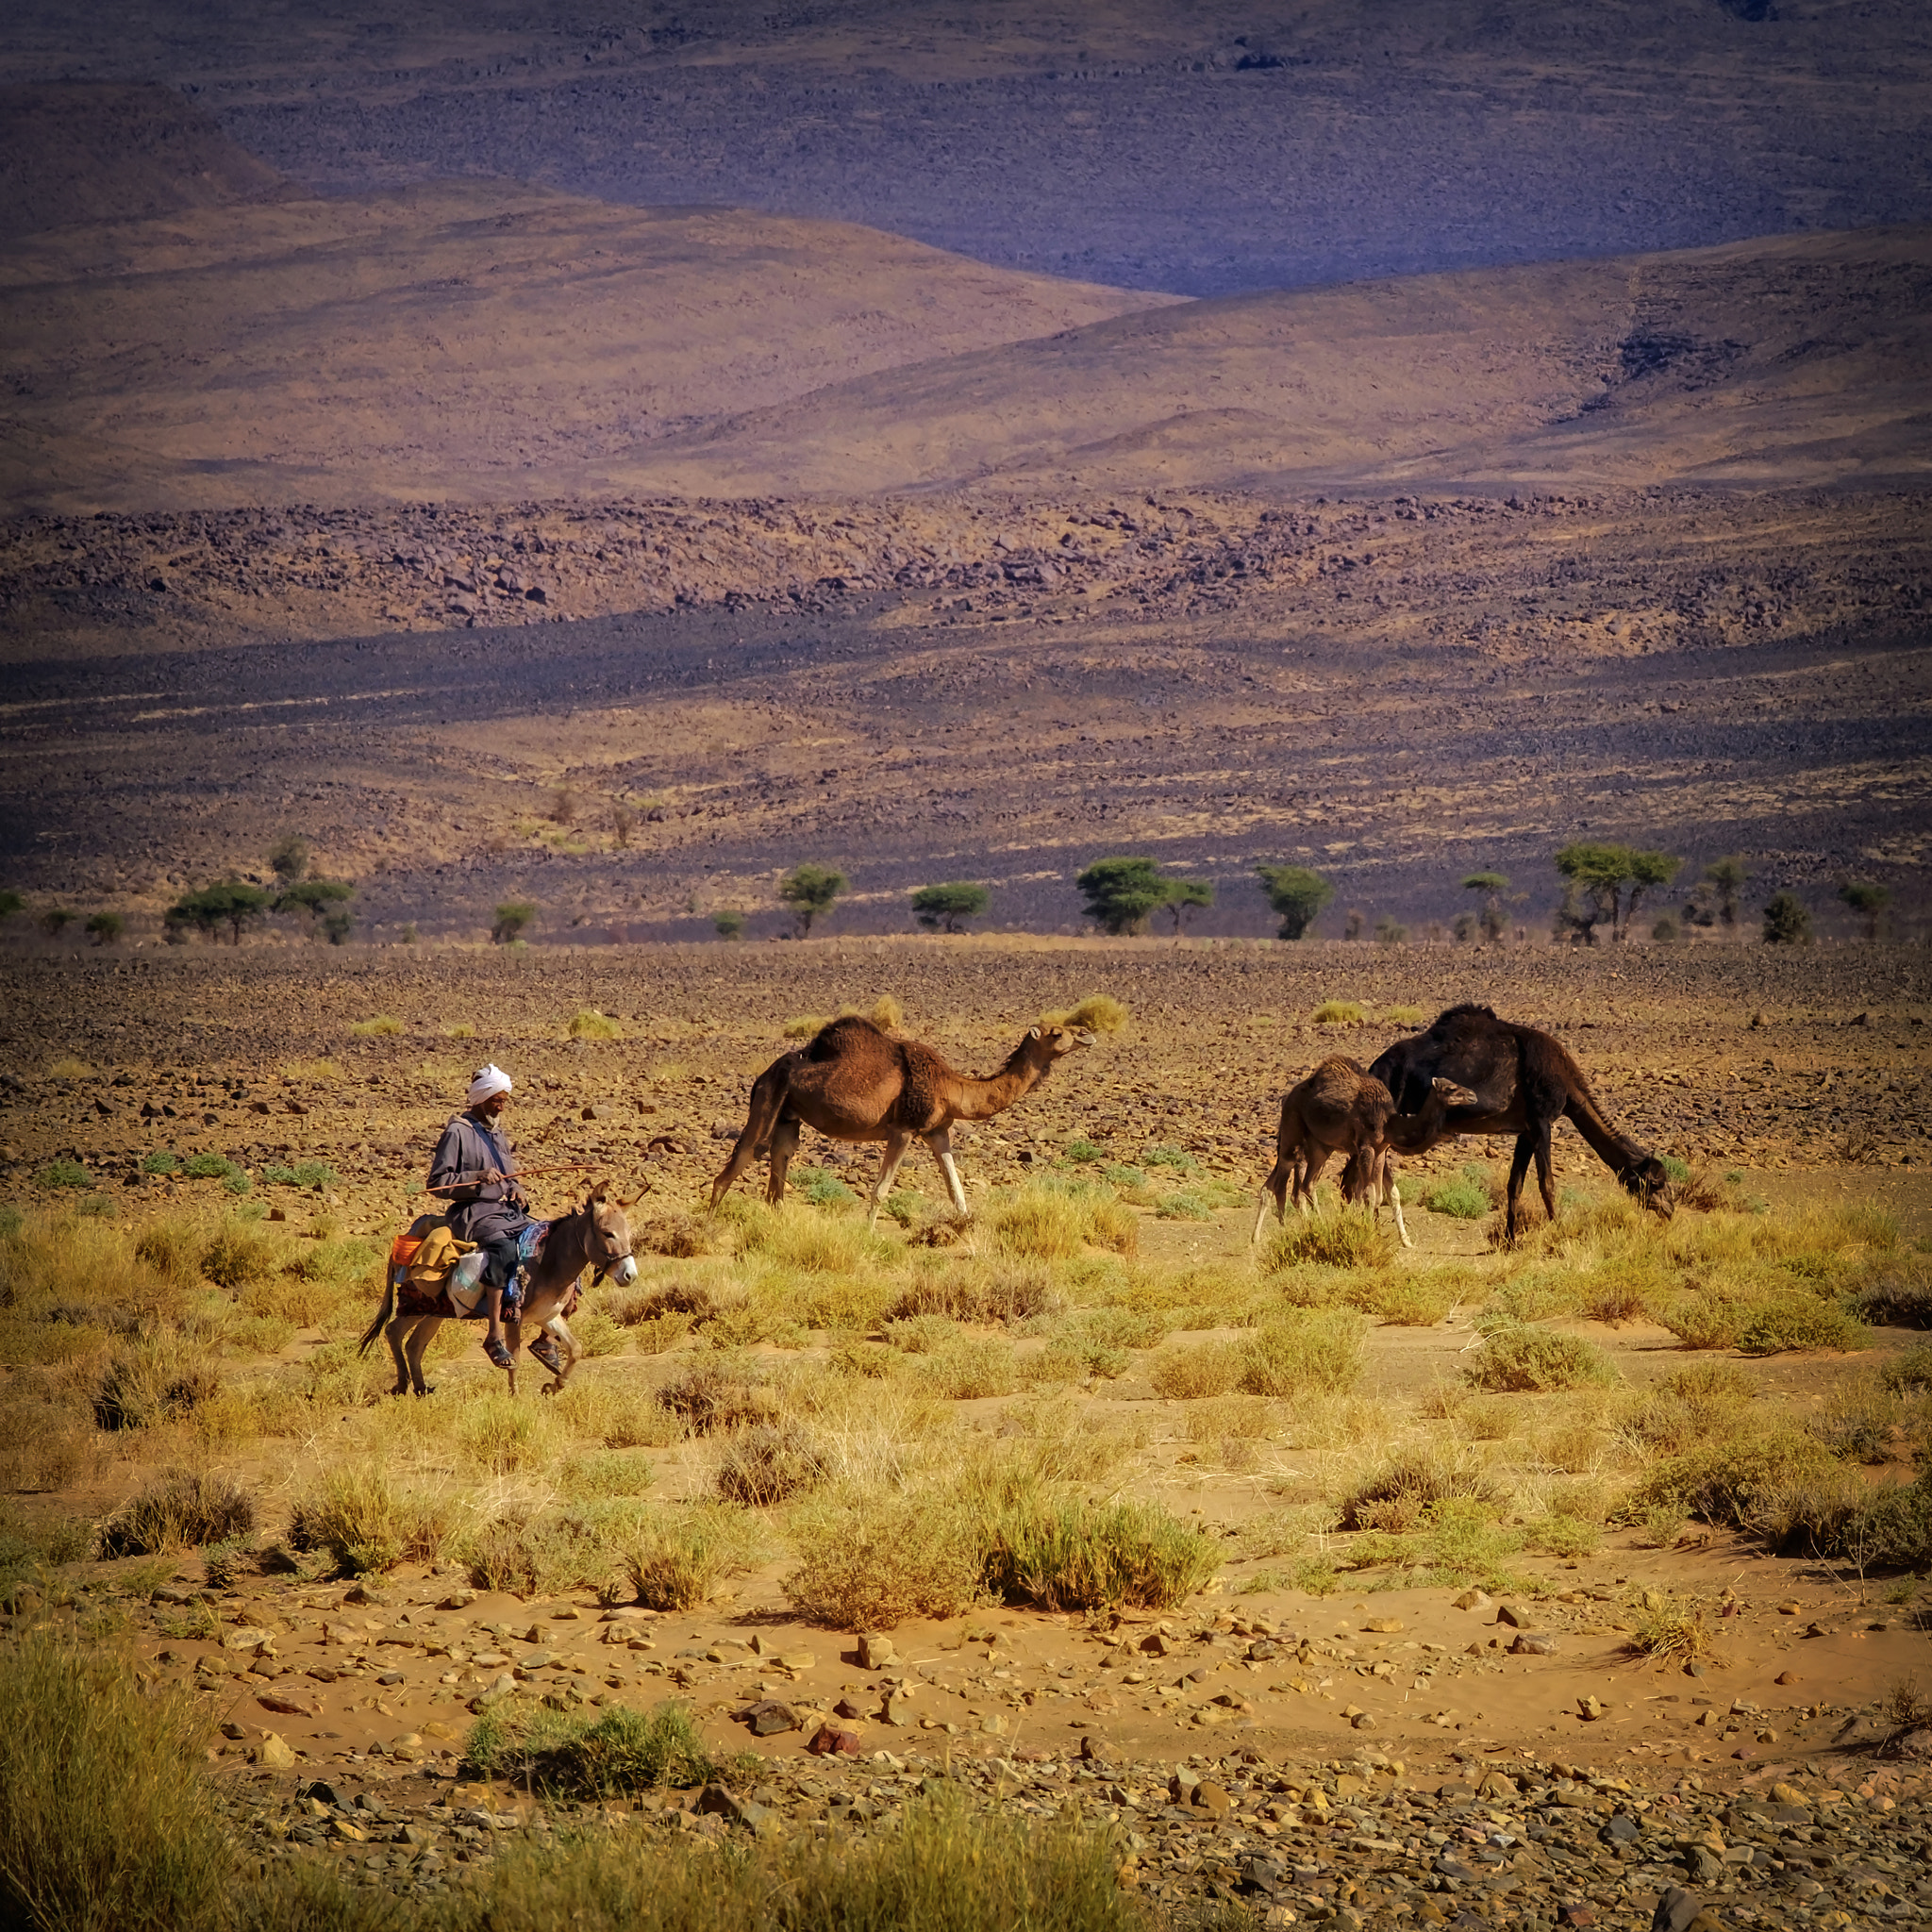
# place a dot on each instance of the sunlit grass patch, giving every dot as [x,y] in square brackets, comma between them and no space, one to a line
[1331,1237]
[379,1026]
[1522,1358]
[368,1524]
[1464,1197]
[1051,1222]
[183,1507]
[1062,1553]
[1339,1013]
[587,1022]
[616,1753]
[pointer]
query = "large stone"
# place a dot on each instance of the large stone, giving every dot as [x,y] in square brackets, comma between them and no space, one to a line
[1675,1909]
[876,1653]
[1531,1644]
[1515,1616]
[275,1753]
[768,1717]
[715,1801]
[833,1741]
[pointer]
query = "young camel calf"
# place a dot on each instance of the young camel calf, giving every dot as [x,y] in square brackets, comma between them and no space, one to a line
[1340,1109]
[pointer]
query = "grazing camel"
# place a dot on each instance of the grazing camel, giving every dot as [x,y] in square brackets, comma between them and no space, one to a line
[595,1236]
[854,1082]
[1340,1109]
[1524,1083]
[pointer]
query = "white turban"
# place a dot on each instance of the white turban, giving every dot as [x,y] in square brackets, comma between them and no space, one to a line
[487,1082]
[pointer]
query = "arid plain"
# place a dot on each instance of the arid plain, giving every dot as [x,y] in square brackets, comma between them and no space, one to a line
[579,547]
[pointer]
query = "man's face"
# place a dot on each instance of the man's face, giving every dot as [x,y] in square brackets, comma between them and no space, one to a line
[495,1104]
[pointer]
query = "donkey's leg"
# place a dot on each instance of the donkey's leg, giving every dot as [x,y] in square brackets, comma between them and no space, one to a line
[896,1143]
[394,1333]
[559,1329]
[420,1338]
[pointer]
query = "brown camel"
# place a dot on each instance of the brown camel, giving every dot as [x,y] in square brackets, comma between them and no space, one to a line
[1340,1109]
[854,1082]
[1523,1082]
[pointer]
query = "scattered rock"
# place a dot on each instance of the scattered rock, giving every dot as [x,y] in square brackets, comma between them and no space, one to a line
[768,1717]
[876,1653]
[1515,1616]
[1533,1645]
[275,1753]
[830,1739]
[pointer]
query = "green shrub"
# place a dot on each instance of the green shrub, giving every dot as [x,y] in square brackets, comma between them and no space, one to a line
[1800,1320]
[1303,1350]
[366,1523]
[1465,1196]
[1062,1552]
[160,1161]
[183,1506]
[1539,1359]
[820,1188]
[1161,1154]
[1727,1483]
[1910,1371]
[66,1174]
[208,1167]
[616,1754]
[1336,1237]
[1183,1205]
[305,1174]
[587,1022]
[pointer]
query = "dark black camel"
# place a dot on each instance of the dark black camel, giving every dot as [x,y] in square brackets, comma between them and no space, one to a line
[1524,1083]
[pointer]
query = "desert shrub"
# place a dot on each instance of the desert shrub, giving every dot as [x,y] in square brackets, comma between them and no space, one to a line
[1305,1350]
[534,1553]
[765,1465]
[1857,1422]
[1674,1632]
[502,1435]
[1005,1292]
[1178,1159]
[1183,1206]
[617,1753]
[1099,1012]
[870,1563]
[104,1822]
[172,1250]
[1333,1238]
[714,1396]
[1184,1375]
[817,1188]
[677,1566]
[43,1445]
[1727,1482]
[1413,1300]
[366,1523]
[1084,1151]
[1339,1013]
[1055,1223]
[65,1173]
[1899,1298]
[1838,1516]
[1612,1302]
[812,1243]
[1415,1481]
[1789,1321]
[1910,1371]
[1062,1552]
[381,1026]
[153,1381]
[238,1254]
[973,1366]
[612,1473]
[1566,1538]
[587,1022]
[209,1167]
[182,1506]
[1522,1358]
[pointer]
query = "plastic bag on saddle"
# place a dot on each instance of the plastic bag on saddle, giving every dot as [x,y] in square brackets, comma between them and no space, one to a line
[423,1257]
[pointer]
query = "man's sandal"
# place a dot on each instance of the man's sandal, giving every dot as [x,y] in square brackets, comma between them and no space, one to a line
[496,1352]
[544,1350]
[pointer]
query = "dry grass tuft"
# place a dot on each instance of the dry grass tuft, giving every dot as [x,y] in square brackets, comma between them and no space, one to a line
[1672,1633]
[157,1380]
[714,1397]
[1099,1012]
[870,1564]
[685,1237]
[1049,1223]
[1205,1369]
[367,1523]
[1520,1357]
[182,1507]
[1333,1238]
[382,1027]
[770,1464]
[587,1022]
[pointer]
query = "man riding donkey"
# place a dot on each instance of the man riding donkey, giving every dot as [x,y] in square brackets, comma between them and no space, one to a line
[474,1167]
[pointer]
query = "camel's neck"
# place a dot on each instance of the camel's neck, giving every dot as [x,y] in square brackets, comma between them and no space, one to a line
[979,1100]
[1618,1151]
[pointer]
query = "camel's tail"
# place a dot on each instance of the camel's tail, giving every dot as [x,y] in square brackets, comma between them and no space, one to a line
[382,1314]
[767,1104]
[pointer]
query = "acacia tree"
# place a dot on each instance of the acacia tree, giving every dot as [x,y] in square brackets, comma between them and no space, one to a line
[289,857]
[1648,870]
[1869,901]
[1596,875]
[947,908]
[1184,898]
[810,890]
[1727,878]
[320,899]
[1490,919]
[104,929]
[512,917]
[1296,896]
[232,903]
[1122,894]
[1787,920]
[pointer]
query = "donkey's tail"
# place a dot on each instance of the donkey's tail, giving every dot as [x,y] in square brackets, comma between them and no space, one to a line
[382,1314]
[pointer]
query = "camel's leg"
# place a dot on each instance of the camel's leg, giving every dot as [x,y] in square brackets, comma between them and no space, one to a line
[767,1100]
[939,1143]
[1304,1181]
[784,1145]
[1394,1194]
[1519,1166]
[1273,1188]
[896,1144]
[1545,1177]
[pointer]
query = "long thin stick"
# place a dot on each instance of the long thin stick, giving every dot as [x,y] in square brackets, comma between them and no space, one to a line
[485,1175]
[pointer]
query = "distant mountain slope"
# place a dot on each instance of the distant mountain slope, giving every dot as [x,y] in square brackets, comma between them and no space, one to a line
[473,339]
[1800,358]
[85,153]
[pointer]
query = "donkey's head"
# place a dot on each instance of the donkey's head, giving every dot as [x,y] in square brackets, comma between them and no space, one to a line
[606,1236]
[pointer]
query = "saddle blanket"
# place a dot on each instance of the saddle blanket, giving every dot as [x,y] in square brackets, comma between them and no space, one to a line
[421,1260]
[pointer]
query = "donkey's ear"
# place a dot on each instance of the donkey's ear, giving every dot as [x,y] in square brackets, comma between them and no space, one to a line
[596,1193]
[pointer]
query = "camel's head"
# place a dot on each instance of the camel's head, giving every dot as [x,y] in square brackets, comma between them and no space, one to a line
[1450,1095]
[1047,1044]
[1650,1181]
[606,1239]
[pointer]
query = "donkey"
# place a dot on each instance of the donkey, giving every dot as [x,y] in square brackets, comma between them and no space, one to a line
[595,1236]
